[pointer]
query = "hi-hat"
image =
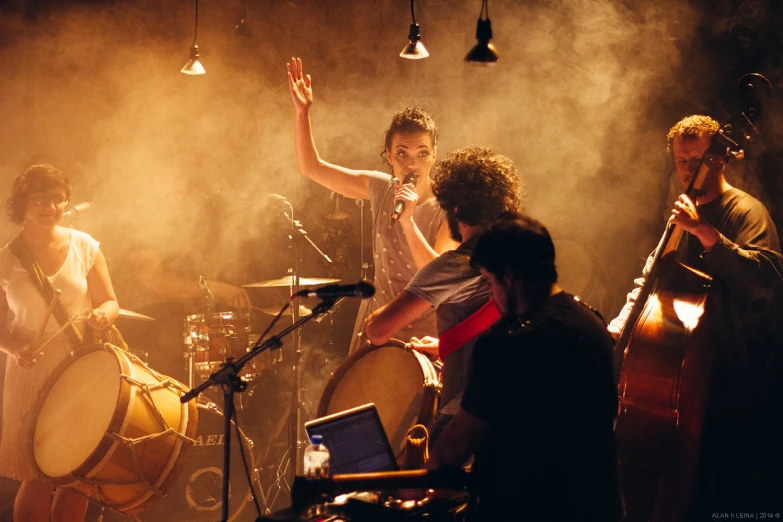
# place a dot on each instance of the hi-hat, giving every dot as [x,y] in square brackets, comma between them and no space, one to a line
[135,315]
[289,281]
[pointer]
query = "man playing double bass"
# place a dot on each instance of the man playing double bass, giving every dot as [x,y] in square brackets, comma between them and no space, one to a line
[730,236]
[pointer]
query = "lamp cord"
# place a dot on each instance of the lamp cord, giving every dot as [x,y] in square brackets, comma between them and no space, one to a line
[195,32]
[484,8]
[413,15]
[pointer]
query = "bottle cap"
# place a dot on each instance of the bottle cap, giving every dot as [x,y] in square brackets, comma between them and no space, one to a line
[316,439]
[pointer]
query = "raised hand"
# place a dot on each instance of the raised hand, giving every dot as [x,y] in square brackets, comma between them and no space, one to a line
[300,85]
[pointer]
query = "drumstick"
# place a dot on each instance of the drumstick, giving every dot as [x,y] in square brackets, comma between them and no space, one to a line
[47,316]
[60,330]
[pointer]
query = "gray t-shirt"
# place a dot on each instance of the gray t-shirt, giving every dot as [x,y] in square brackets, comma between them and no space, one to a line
[456,290]
[394,265]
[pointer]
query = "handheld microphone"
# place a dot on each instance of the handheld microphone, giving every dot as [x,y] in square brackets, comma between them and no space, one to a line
[399,205]
[360,289]
[79,209]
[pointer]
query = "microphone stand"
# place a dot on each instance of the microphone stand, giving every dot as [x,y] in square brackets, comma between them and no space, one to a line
[299,237]
[302,233]
[227,377]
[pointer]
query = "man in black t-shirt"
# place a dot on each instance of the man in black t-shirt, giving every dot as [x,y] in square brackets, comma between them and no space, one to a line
[730,236]
[539,405]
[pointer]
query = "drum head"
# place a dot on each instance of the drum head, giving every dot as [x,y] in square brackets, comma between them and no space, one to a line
[64,436]
[389,376]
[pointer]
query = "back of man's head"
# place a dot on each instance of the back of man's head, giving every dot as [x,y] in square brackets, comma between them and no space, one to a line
[480,184]
[517,244]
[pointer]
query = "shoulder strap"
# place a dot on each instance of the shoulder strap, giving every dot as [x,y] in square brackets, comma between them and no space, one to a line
[462,333]
[19,248]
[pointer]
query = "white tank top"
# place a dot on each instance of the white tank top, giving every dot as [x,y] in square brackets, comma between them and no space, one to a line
[27,306]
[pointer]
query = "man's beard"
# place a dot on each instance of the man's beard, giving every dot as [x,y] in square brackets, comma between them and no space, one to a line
[453,227]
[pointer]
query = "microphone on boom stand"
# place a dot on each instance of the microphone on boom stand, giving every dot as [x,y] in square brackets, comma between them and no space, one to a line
[360,289]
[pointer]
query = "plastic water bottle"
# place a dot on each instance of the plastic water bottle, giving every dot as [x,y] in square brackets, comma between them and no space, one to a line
[316,458]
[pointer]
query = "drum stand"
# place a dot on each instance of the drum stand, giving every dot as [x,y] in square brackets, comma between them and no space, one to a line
[227,377]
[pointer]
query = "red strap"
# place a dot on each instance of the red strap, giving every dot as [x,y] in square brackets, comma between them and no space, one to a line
[462,333]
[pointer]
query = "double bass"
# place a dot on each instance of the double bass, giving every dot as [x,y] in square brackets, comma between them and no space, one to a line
[663,356]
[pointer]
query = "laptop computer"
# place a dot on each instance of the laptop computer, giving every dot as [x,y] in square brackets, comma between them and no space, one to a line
[356,440]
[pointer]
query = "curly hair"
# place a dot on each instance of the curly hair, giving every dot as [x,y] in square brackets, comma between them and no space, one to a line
[692,127]
[36,178]
[411,120]
[479,184]
[517,243]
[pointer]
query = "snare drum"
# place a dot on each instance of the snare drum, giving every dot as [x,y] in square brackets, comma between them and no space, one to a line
[401,382]
[214,339]
[112,429]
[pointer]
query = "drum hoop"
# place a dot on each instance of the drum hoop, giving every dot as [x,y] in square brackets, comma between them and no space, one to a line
[430,400]
[105,444]
[199,318]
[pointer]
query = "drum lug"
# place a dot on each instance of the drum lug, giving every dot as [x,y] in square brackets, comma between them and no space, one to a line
[433,385]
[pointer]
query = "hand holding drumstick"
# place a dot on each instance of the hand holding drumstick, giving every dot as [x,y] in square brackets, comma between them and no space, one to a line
[27,355]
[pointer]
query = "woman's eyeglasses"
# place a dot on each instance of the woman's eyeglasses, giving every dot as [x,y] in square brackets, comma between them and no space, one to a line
[44,198]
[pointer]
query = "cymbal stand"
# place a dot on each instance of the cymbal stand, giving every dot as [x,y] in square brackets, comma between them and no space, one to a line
[299,237]
[227,377]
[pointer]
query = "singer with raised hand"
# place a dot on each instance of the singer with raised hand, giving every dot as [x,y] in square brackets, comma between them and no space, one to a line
[71,262]
[409,228]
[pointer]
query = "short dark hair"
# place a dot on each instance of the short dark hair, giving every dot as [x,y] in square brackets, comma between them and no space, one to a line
[479,184]
[517,243]
[35,178]
[411,120]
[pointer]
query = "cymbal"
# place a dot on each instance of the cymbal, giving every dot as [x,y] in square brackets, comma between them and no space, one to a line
[274,310]
[289,281]
[135,315]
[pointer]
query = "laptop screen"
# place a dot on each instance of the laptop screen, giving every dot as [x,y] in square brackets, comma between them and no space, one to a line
[355,439]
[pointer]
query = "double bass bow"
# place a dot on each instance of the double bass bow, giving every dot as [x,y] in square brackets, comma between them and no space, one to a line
[663,355]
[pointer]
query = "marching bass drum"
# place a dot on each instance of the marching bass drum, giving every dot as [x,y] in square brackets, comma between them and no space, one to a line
[401,382]
[112,429]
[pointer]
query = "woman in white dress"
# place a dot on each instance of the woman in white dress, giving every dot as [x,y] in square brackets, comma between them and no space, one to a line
[73,263]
